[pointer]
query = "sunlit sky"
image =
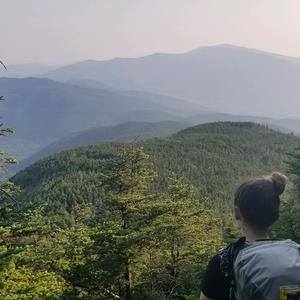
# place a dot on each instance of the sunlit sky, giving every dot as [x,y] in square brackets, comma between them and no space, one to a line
[65,31]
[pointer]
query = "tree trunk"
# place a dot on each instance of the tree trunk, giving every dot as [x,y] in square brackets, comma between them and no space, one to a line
[128,283]
[174,269]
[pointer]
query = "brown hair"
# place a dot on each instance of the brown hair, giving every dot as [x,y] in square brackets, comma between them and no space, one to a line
[258,199]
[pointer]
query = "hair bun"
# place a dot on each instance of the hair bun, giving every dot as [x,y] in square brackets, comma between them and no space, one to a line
[279,180]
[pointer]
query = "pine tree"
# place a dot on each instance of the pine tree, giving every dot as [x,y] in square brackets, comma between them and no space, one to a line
[7,189]
[123,229]
[289,222]
[186,235]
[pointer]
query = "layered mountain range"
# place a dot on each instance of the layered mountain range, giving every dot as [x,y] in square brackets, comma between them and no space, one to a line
[218,83]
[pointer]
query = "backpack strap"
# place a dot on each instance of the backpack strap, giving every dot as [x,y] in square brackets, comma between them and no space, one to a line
[227,258]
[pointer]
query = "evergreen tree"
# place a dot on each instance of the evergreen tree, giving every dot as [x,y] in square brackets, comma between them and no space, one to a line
[19,282]
[122,230]
[289,223]
[7,226]
[146,246]
[185,235]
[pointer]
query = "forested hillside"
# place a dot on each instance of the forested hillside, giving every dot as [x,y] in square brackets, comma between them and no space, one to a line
[212,157]
[136,221]
[118,239]
[138,125]
[126,132]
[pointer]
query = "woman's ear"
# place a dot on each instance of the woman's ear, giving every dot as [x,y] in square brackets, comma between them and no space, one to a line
[237,213]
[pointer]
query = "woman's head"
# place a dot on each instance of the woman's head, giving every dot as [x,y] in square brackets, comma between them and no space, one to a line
[257,200]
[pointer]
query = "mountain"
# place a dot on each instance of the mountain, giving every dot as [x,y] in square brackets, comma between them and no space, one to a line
[283,125]
[128,132]
[213,157]
[141,125]
[43,110]
[25,70]
[91,84]
[43,107]
[223,78]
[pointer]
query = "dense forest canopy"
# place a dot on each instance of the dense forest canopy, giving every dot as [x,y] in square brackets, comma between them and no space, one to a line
[138,221]
[216,157]
[212,157]
[124,241]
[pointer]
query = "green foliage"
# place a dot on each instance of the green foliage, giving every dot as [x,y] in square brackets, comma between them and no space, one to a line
[289,223]
[124,222]
[7,225]
[25,283]
[294,169]
[185,235]
[211,157]
[125,132]
[216,157]
[129,242]
[20,282]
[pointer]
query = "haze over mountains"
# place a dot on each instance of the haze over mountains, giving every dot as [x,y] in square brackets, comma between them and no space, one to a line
[43,110]
[61,108]
[224,78]
[130,132]
[25,70]
[217,83]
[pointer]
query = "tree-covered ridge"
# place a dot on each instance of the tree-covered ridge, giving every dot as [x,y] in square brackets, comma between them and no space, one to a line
[213,157]
[63,181]
[216,157]
[121,133]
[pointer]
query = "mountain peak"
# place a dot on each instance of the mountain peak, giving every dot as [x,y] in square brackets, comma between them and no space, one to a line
[222,47]
[225,78]
[222,125]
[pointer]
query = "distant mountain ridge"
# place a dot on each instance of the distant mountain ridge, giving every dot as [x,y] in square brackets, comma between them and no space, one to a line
[25,70]
[224,78]
[94,94]
[130,132]
[43,107]
[137,130]
[43,110]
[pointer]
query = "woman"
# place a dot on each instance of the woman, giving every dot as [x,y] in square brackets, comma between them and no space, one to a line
[256,208]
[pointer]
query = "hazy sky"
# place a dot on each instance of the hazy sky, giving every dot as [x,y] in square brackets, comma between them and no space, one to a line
[63,31]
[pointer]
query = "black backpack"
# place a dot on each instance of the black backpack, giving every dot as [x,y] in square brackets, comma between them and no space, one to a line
[227,257]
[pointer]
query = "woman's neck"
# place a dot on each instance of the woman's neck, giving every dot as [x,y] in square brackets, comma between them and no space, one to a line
[254,234]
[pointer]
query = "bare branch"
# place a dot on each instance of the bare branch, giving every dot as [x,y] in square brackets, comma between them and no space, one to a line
[112,294]
[1,63]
